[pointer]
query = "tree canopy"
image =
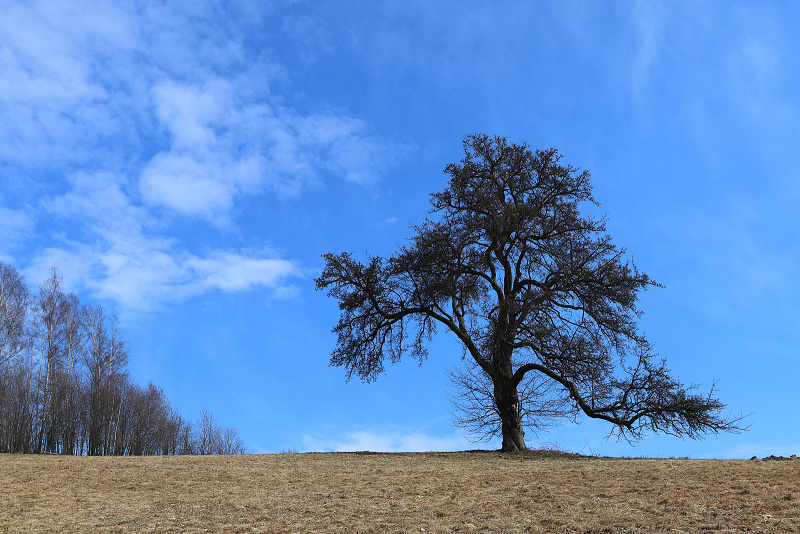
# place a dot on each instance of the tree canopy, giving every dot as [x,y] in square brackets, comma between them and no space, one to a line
[507,263]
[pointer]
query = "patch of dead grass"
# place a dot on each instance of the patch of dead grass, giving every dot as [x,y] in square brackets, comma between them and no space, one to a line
[475,492]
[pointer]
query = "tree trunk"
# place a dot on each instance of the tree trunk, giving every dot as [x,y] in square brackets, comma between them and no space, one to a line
[507,401]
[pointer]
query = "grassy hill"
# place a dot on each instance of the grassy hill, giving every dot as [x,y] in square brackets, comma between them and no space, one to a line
[384,493]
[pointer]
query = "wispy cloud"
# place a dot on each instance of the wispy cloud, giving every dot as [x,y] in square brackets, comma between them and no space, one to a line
[16,226]
[311,34]
[223,145]
[213,152]
[236,272]
[128,263]
[724,65]
[649,20]
[170,114]
[383,440]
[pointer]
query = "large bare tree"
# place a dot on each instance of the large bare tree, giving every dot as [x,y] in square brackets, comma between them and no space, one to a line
[507,263]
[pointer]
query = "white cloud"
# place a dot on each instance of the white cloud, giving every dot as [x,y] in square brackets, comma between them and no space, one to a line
[310,33]
[713,67]
[188,112]
[285,293]
[169,90]
[99,198]
[650,20]
[53,101]
[235,272]
[73,260]
[379,440]
[229,135]
[139,270]
[187,185]
[358,158]
[228,140]
[756,68]
[214,153]
[16,225]
[167,112]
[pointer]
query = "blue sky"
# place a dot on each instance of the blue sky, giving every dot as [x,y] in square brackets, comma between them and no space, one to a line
[185,164]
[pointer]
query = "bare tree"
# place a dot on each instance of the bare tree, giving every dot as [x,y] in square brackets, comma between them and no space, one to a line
[49,338]
[64,388]
[527,285]
[170,436]
[210,438]
[14,305]
[151,429]
[207,439]
[185,438]
[19,422]
[105,358]
[230,442]
[14,302]
[74,340]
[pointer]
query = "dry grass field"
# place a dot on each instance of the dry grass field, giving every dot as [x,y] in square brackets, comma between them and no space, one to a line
[385,493]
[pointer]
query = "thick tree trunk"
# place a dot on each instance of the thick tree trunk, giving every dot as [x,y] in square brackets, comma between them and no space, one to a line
[507,401]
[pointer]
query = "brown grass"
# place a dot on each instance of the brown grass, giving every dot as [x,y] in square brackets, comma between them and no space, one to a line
[384,493]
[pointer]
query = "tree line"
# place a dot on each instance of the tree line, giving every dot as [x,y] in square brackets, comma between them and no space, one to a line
[64,387]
